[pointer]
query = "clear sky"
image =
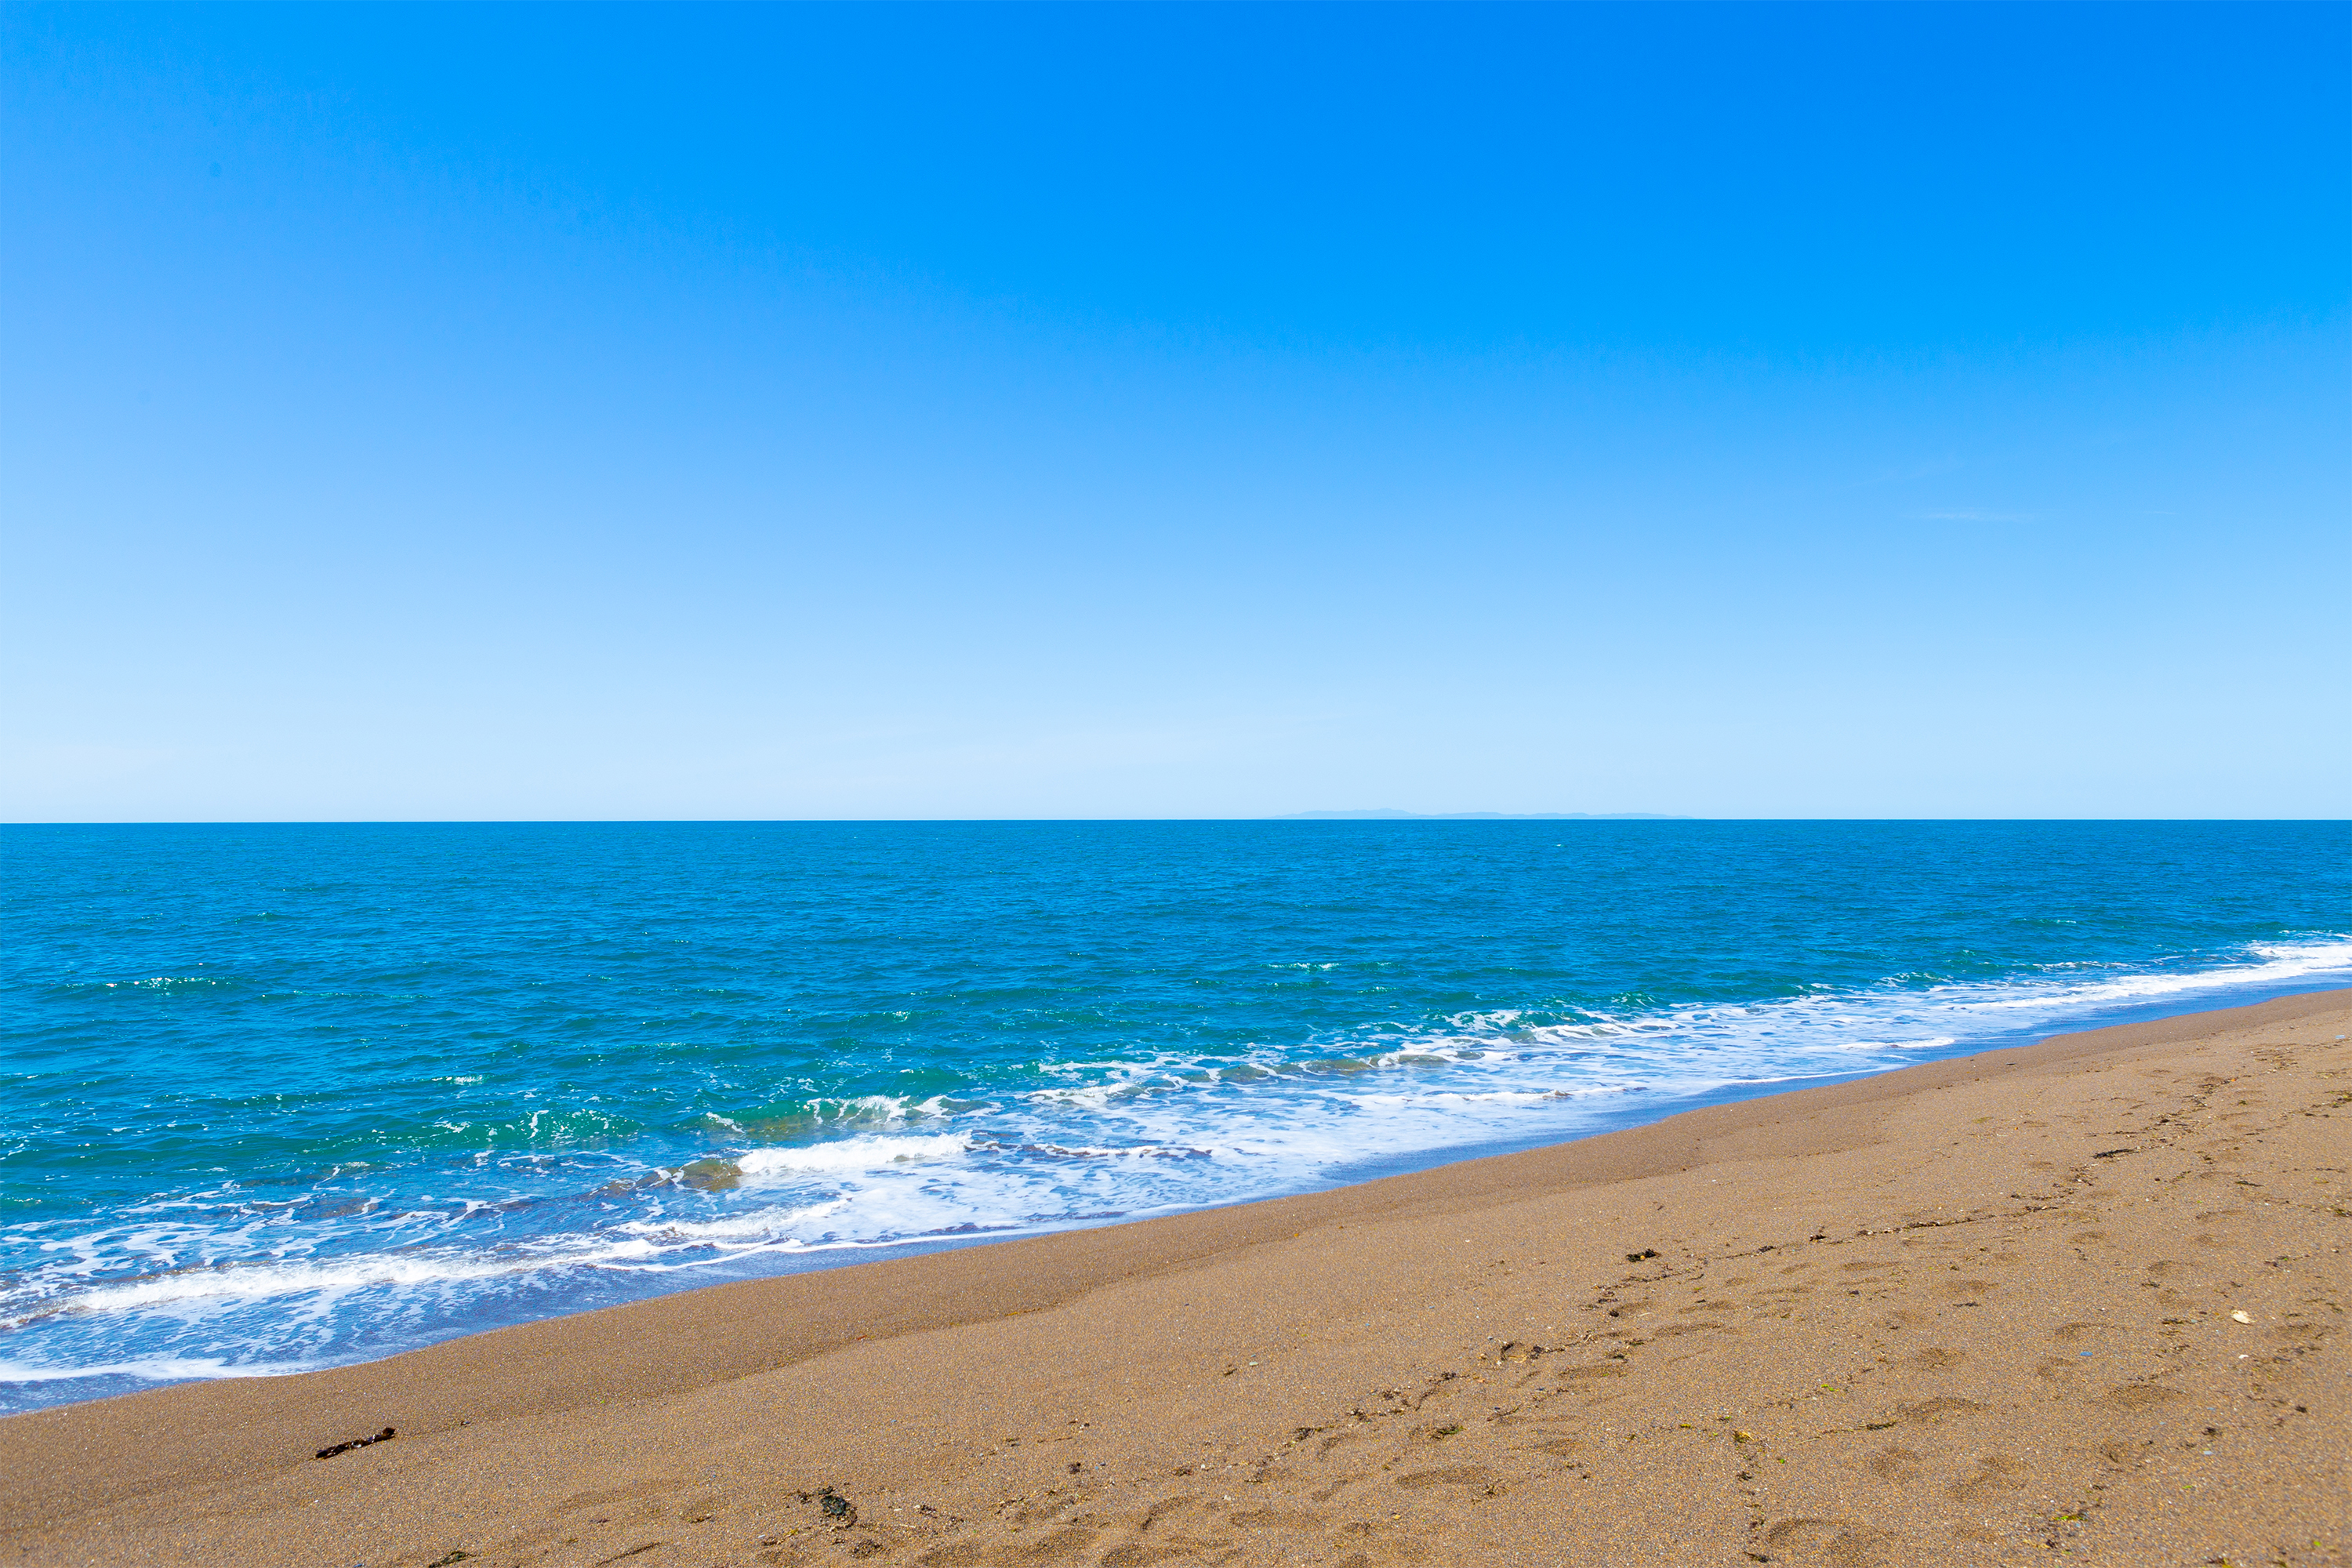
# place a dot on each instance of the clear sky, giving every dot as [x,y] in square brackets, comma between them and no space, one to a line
[1136,411]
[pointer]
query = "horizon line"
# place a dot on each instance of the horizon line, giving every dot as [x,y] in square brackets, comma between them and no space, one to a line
[1318,818]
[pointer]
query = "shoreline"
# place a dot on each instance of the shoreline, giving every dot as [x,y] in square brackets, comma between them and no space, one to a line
[1639,1110]
[189,1449]
[2223,998]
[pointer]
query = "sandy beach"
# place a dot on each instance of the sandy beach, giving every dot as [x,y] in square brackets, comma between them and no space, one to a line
[2083,1299]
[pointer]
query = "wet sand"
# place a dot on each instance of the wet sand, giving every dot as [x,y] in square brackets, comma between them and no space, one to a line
[2083,1299]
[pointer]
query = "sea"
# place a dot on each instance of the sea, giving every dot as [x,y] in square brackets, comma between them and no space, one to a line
[284,1096]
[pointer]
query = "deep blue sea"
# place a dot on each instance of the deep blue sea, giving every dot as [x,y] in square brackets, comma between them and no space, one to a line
[276,1097]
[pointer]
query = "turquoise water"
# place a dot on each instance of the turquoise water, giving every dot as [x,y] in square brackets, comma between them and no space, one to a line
[282,1097]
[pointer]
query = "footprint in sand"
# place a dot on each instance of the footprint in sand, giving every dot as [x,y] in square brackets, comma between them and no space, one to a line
[1459,1476]
[1062,1546]
[1136,1555]
[1926,1412]
[1894,1464]
[1669,1331]
[2139,1395]
[1995,1474]
[1846,1543]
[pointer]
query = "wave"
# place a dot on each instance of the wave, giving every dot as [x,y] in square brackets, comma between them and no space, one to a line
[152,1369]
[222,1284]
[2282,962]
[258,1281]
[870,1153]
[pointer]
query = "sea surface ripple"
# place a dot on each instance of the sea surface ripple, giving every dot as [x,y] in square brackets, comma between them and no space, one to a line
[284,1096]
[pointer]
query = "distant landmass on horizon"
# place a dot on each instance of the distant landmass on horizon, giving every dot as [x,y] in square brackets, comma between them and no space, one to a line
[1480,817]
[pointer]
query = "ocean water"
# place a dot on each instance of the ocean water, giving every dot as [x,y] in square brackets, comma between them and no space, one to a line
[283,1097]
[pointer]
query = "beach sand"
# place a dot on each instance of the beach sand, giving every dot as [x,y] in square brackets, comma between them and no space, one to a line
[2083,1299]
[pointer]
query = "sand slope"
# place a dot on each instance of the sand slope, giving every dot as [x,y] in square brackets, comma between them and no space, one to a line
[2085,1300]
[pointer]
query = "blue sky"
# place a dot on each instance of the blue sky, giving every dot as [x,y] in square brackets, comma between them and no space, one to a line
[1135,411]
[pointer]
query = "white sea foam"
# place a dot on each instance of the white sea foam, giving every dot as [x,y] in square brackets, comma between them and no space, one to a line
[867,1152]
[871,1108]
[153,1369]
[2281,961]
[271,1281]
[758,1224]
